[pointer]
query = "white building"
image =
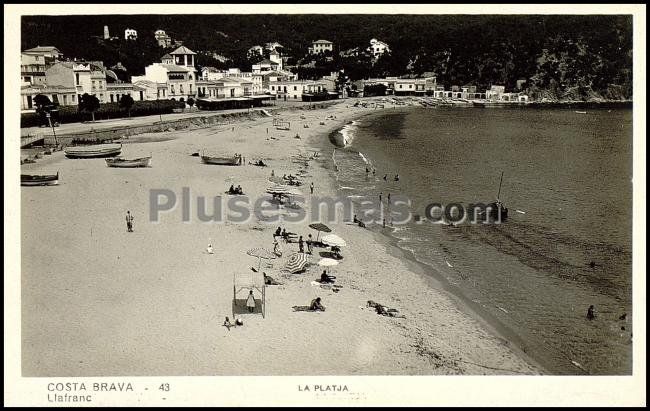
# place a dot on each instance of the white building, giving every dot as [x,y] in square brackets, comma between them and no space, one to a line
[320,46]
[273,46]
[85,77]
[176,71]
[256,50]
[378,48]
[292,90]
[162,39]
[275,58]
[130,34]
[494,93]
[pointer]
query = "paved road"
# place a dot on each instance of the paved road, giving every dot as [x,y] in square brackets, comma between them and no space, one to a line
[137,121]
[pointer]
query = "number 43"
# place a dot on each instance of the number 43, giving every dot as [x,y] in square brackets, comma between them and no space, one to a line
[164,387]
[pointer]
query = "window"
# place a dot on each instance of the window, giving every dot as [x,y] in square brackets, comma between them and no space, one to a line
[190,86]
[65,99]
[181,88]
[94,85]
[112,98]
[410,85]
[295,97]
[273,88]
[76,77]
[73,99]
[295,88]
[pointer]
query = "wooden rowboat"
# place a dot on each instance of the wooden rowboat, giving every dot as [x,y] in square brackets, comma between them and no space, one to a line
[222,161]
[124,163]
[95,151]
[39,179]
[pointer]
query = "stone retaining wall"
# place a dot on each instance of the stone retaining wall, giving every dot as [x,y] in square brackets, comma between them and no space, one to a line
[109,134]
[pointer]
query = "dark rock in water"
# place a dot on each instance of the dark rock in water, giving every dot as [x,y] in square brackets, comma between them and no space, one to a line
[195,154]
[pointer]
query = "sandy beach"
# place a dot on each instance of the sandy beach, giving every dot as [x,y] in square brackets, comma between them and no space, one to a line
[99,301]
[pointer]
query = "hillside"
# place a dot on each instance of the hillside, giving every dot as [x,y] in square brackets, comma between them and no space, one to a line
[584,57]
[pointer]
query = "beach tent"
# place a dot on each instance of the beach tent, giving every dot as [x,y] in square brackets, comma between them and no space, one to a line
[242,284]
[333,240]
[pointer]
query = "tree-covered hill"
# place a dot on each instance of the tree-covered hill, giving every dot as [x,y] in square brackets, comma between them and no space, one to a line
[579,57]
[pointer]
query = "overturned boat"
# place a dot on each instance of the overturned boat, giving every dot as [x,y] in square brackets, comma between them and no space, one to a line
[222,161]
[39,179]
[95,151]
[126,163]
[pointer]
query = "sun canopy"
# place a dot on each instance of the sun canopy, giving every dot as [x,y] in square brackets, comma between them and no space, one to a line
[333,240]
[328,262]
[320,227]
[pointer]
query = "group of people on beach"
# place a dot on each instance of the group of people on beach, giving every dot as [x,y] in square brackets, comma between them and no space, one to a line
[235,190]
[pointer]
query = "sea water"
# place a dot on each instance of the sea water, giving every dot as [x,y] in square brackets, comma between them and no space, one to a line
[567,182]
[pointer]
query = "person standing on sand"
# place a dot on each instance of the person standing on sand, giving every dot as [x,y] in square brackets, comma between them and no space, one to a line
[385,177]
[310,246]
[388,198]
[311,188]
[129,222]
[250,302]
[380,194]
[590,313]
[301,245]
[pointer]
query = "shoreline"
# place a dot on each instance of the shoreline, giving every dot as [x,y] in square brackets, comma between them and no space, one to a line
[157,284]
[434,279]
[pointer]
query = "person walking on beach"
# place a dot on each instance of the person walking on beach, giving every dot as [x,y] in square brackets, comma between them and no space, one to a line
[385,177]
[129,222]
[374,172]
[388,198]
[380,194]
[250,302]
[311,188]
[301,245]
[310,246]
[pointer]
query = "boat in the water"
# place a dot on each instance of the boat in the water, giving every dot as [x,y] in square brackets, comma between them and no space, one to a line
[95,151]
[222,161]
[478,104]
[125,163]
[39,179]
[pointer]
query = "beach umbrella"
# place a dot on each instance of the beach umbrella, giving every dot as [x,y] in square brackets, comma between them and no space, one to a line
[296,263]
[320,227]
[328,263]
[260,253]
[333,240]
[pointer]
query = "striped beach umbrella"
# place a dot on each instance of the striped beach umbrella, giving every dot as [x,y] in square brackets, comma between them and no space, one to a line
[260,253]
[296,263]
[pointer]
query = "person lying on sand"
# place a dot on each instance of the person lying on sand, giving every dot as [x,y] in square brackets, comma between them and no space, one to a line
[384,310]
[268,280]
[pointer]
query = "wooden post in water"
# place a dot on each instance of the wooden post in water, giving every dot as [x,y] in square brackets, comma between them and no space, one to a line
[500,182]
